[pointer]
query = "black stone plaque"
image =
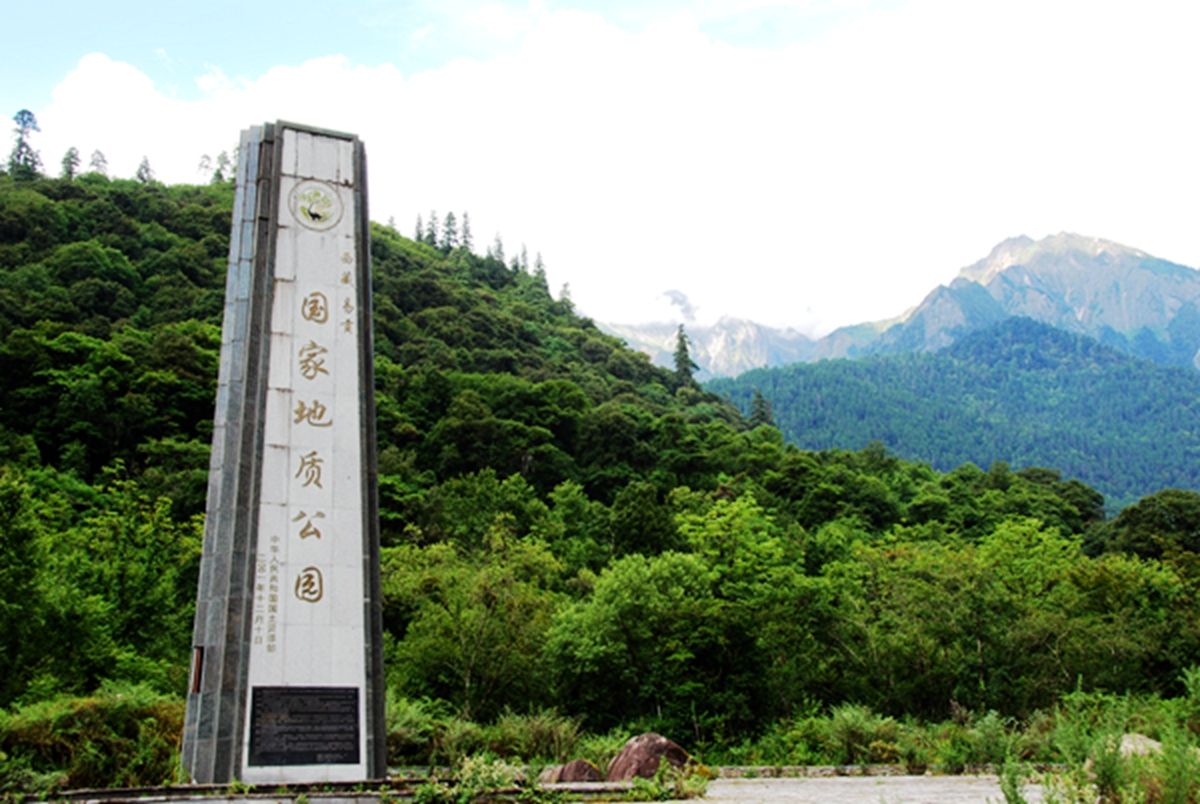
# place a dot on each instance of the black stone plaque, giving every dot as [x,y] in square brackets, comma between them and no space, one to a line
[304,726]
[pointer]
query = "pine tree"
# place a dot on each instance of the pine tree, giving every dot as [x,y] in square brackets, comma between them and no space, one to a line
[466,232]
[450,232]
[539,271]
[497,249]
[70,163]
[524,259]
[685,367]
[419,232]
[224,168]
[145,174]
[431,229]
[760,410]
[98,163]
[24,162]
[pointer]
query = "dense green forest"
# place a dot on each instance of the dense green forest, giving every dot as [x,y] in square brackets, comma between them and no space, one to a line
[565,527]
[1019,391]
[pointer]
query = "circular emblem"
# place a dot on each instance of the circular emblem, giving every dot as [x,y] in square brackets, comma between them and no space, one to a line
[315,204]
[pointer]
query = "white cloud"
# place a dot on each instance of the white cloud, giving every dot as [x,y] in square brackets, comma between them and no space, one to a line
[826,182]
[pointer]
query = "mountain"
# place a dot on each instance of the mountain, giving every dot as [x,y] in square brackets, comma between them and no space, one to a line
[1121,296]
[1019,391]
[1118,295]
[565,527]
[724,349]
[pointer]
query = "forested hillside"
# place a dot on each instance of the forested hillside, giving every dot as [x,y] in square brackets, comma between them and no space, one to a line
[1020,391]
[565,526]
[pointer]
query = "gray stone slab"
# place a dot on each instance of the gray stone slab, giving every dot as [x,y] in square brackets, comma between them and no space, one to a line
[865,790]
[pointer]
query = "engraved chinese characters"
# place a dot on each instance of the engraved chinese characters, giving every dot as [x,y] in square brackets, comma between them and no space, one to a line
[316,306]
[287,672]
[312,506]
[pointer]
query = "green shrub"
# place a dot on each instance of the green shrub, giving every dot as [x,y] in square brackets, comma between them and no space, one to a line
[1110,771]
[916,751]
[539,735]
[1178,769]
[953,748]
[992,738]
[413,726]
[477,778]
[123,736]
[599,749]
[1012,781]
[457,740]
[858,735]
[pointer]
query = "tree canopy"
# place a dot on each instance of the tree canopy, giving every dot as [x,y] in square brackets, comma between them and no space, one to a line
[563,523]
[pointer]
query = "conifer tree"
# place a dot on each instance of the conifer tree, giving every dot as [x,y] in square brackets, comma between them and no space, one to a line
[539,271]
[450,232]
[98,163]
[419,232]
[145,174]
[24,162]
[760,410]
[431,228]
[70,163]
[685,367]
[466,232]
[224,167]
[497,250]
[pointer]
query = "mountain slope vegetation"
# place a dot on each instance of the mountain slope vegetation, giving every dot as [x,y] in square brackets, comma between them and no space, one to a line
[565,526]
[1021,392]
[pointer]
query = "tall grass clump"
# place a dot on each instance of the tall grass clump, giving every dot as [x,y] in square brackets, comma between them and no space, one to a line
[123,736]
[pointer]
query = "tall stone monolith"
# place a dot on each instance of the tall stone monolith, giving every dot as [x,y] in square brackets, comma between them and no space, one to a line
[286,682]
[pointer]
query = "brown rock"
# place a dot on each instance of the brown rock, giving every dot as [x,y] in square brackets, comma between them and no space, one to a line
[641,757]
[577,770]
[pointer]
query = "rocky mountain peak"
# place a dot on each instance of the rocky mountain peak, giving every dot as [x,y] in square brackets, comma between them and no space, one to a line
[1054,249]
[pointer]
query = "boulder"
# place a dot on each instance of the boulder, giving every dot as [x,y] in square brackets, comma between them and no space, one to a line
[1136,745]
[577,770]
[641,756]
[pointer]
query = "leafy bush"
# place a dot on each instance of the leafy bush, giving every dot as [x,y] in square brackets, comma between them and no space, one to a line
[544,734]
[123,736]
[856,734]
[413,726]
[477,779]
[599,749]
[423,732]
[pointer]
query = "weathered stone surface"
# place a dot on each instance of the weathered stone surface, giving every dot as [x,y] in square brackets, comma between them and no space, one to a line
[1132,745]
[1136,745]
[577,770]
[641,757]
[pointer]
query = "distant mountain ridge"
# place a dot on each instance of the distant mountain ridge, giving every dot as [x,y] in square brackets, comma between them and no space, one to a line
[1020,391]
[1121,296]
[724,349]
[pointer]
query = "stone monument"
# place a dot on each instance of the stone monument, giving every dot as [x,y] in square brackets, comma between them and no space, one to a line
[286,680]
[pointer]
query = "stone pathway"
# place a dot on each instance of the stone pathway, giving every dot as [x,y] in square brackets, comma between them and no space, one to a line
[866,790]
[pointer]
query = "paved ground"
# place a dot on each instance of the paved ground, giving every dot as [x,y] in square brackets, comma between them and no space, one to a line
[865,790]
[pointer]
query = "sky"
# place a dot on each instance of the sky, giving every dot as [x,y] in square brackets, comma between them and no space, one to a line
[800,163]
